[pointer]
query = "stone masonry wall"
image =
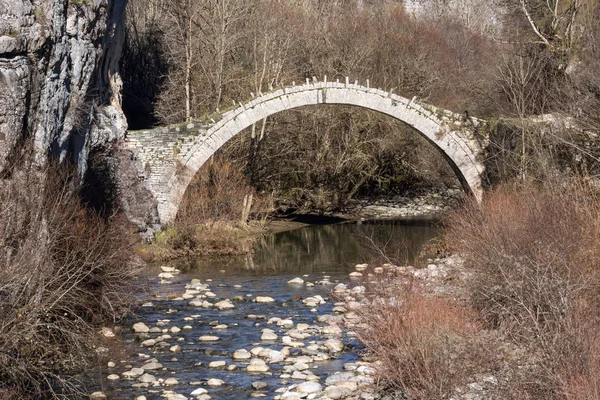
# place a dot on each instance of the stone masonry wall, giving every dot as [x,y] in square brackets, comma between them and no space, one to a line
[169,157]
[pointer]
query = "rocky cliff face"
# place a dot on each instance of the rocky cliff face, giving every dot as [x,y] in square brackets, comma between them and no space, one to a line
[60,93]
[59,82]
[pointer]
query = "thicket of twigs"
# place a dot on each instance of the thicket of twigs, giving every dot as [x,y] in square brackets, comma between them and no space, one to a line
[63,272]
[528,310]
[535,253]
[425,344]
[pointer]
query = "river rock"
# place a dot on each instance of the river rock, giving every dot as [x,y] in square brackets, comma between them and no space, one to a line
[361,267]
[175,349]
[299,376]
[200,303]
[309,387]
[339,377]
[335,393]
[332,330]
[358,290]
[147,378]
[268,335]
[198,392]
[302,327]
[171,382]
[140,327]
[113,377]
[275,356]
[214,382]
[107,332]
[296,281]
[296,334]
[224,305]
[355,274]
[292,396]
[350,385]
[217,364]
[97,395]
[257,365]
[259,385]
[241,354]
[208,338]
[286,323]
[340,287]
[366,370]
[264,299]
[152,366]
[175,396]
[300,366]
[334,345]
[134,372]
[255,351]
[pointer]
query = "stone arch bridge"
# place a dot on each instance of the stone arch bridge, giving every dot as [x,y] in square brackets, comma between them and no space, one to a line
[169,157]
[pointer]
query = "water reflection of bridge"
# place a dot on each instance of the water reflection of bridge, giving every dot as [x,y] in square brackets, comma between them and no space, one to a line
[319,249]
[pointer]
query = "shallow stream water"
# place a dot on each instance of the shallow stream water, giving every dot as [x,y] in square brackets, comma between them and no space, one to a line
[318,254]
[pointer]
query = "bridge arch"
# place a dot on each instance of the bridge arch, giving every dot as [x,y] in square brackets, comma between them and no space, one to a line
[172,168]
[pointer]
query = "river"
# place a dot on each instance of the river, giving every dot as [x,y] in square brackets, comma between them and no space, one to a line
[321,255]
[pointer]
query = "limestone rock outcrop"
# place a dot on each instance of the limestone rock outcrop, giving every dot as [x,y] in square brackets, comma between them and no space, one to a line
[59,81]
[60,92]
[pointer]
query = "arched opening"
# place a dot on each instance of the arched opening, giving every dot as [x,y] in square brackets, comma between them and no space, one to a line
[319,159]
[172,167]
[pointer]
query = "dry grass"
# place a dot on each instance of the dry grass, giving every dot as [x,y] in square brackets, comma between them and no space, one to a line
[535,252]
[212,219]
[63,271]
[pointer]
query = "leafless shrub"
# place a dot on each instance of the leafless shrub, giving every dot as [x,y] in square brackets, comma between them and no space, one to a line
[426,344]
[217,194]
[535,251]
[63,271]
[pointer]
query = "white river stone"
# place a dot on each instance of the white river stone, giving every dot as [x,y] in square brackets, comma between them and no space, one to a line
[241,354]
[309,387]
[208,338]
[264,299]
[140,327]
